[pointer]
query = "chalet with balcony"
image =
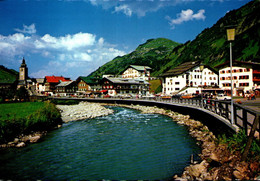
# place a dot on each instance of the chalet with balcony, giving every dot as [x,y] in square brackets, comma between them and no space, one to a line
[114,86]
[88,84]
[66,88]
[189,78]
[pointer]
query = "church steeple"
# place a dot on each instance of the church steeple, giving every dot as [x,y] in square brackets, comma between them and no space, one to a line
[23,71]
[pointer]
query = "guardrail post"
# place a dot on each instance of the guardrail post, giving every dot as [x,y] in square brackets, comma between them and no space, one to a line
[244,116]
[235,113]
[226,109]
[250,138]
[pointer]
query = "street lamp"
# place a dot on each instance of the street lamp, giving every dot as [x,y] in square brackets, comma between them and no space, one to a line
[201,69]
[230,38]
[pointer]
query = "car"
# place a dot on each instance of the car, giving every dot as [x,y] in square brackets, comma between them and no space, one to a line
[222,97]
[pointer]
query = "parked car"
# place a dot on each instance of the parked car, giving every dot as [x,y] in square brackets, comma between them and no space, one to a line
[222,97]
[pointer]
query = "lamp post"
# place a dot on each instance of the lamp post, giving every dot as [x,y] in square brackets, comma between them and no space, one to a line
[201,69]
[230,38]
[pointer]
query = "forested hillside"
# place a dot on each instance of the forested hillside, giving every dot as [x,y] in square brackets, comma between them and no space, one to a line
[210,46]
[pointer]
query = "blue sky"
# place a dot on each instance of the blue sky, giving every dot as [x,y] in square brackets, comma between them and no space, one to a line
[74,37]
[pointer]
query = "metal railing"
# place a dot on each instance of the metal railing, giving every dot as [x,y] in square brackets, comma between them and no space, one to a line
[243,117]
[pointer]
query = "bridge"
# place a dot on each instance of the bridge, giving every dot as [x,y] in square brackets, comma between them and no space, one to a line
[207,111]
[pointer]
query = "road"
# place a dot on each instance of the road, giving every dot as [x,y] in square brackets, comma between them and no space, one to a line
[252,104]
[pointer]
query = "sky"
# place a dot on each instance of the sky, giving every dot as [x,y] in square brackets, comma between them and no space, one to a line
[72,38]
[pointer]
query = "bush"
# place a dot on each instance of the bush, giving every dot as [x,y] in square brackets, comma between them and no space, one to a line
[238,142]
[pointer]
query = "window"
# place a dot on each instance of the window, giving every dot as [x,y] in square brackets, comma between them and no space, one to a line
[244,77]
[226,85]
[243,84]
[177,88]
[222,71]
[247,70]
[177,83]
[240,70]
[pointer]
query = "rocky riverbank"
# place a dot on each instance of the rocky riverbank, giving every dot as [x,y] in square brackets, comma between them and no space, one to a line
[24,140]
[83,110]
[218,163]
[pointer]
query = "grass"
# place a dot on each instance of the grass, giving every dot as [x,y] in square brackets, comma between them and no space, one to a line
[18,110]
[155,86]
[25,118]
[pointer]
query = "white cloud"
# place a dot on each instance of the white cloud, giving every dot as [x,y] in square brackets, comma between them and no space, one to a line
[138,7]
[68,42]
[125,9]
[186,15]
[75,54]
[27,29]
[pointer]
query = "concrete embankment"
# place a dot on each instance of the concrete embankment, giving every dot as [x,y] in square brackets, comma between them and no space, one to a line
[83,110]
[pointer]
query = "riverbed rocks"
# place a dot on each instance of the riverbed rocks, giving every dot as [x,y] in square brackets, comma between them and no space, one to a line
[83,110]
[24,140]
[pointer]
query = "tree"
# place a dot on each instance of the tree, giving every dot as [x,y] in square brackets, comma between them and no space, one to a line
[22,94]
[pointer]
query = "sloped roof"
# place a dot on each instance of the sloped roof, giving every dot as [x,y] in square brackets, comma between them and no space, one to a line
[181,69]
[88,80]
[239,63]
[64,84]
[56,79]
[40,80]
[126,81]
[140,67]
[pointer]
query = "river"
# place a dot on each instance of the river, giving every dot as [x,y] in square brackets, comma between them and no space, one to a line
[124,145]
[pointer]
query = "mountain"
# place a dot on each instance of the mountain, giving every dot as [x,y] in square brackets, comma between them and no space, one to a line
[8,75]
[152,53]
[210,46]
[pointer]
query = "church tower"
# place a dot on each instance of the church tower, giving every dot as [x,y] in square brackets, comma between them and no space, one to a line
[23,71]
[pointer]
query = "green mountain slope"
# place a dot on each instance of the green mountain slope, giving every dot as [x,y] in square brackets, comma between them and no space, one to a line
[152,53]
[7,75]
[210,46]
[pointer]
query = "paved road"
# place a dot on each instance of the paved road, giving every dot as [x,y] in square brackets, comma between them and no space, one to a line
[252,104]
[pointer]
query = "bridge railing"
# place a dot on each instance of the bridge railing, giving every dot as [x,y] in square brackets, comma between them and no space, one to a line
[243,117]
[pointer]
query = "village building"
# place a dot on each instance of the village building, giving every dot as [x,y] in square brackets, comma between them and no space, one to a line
[51,83]
[120,86]
[246,77]
[40,85]
[189,78]
[137,71]
[86,85]
[66,88]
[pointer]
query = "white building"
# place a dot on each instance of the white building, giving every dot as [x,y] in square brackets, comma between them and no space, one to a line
[40,85]
[246,77]
[137,71]
[188,78]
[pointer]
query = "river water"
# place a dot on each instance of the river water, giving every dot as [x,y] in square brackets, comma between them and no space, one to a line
[125,145]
